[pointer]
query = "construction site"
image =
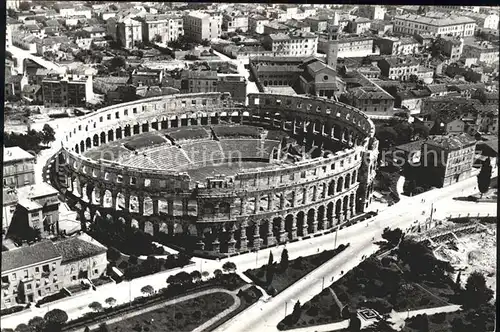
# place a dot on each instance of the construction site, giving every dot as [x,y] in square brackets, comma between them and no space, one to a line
[469,247]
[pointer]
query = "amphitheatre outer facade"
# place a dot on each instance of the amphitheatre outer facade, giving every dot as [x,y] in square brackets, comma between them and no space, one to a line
[248,209]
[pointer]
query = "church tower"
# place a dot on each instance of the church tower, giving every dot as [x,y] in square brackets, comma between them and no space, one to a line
[333,47]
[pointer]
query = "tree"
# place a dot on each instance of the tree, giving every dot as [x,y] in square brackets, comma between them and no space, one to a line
[37,324]
[271,259]
[148,290]
[296,310]
[269,274]
[133,259]
[392,236]
[87,329]
[284,259]
[110,301]
[354,323]
[113,254]
[484,177]
[217,273]
[476,292]
[195,276]
[22,328]
[96,306]
[48,134]
[458,281]
[229,267]
[24,6]
[56,317]
[103,327]
[117,62]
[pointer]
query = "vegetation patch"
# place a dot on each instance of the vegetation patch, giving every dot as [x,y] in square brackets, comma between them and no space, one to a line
[276,277]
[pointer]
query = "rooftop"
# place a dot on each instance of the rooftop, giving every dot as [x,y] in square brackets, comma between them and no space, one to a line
[410,147]
[9,197]
[436,21]
[15,153]
[451,142]
[76,248]
[25,256]
[38,190]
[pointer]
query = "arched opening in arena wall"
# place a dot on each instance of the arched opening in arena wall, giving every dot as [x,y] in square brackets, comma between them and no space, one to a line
[300,223]
[338,208]
[321,216]
[311,219]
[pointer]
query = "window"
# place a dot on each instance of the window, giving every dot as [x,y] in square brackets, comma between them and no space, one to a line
[28,286]
[25,273]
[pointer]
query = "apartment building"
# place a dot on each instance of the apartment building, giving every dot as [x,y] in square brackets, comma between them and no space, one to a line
[484,21]
[198,81]
[452,47]
[235,84]
[296,44]
[256,23]
[398,46]
[275,71]
[371,99]
[18,167]
[67,90]
[448,159]
[30,273]
[146,76]
[317,23]
[161,28]
[411,24]
[347,45]
[129,32]
[398,68]
[201,26]
[9,207]
[484,52]
[359,25]
[39,208]
[234,21]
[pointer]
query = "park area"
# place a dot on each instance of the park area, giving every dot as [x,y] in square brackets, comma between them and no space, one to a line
[275,277]
[182,316]
[408,279]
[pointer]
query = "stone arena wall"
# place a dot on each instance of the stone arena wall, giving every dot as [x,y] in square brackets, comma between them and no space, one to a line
[276,204]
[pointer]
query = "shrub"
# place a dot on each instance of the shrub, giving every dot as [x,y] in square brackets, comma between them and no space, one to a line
[260,274]
[438,318]
[382,306]
[197,315]
[311,321]
[179,315]
[313,311]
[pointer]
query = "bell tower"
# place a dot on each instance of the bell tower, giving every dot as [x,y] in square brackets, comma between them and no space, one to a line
[333,47]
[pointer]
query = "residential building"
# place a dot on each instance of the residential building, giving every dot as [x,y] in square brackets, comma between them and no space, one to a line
[484,21]
[411,24]
[382,27]
[30,273]
[129,32]
[163,28]
[14,85]
[198,81]
[371,99]
[275,28]
[359,25]
[451,47]
[256,23]
[448,159]
[201,26]
[146,76]
[234,21]
[409,100]
[371,12]
[346,45]
[39,208]
[235,84]
[18,167]
[67,90]
[296,44]
[484,52]
[398,68]
[321,80]
[81,258]
[398,46]
[10,201]
[317,23]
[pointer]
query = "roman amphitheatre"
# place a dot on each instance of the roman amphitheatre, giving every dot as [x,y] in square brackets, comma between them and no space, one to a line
[218,176]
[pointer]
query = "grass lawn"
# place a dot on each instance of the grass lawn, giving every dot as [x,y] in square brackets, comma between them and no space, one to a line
[374,285]
[183,316]
[296,270]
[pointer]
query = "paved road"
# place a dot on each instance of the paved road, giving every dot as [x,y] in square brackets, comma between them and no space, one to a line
[267,315]
[19,52]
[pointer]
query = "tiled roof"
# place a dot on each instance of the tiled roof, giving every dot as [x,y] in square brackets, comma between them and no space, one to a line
[436,88]
[15,153]
[436,21]
[451,142]
[25,256]
[76,248]
[9,197]
[370,92]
